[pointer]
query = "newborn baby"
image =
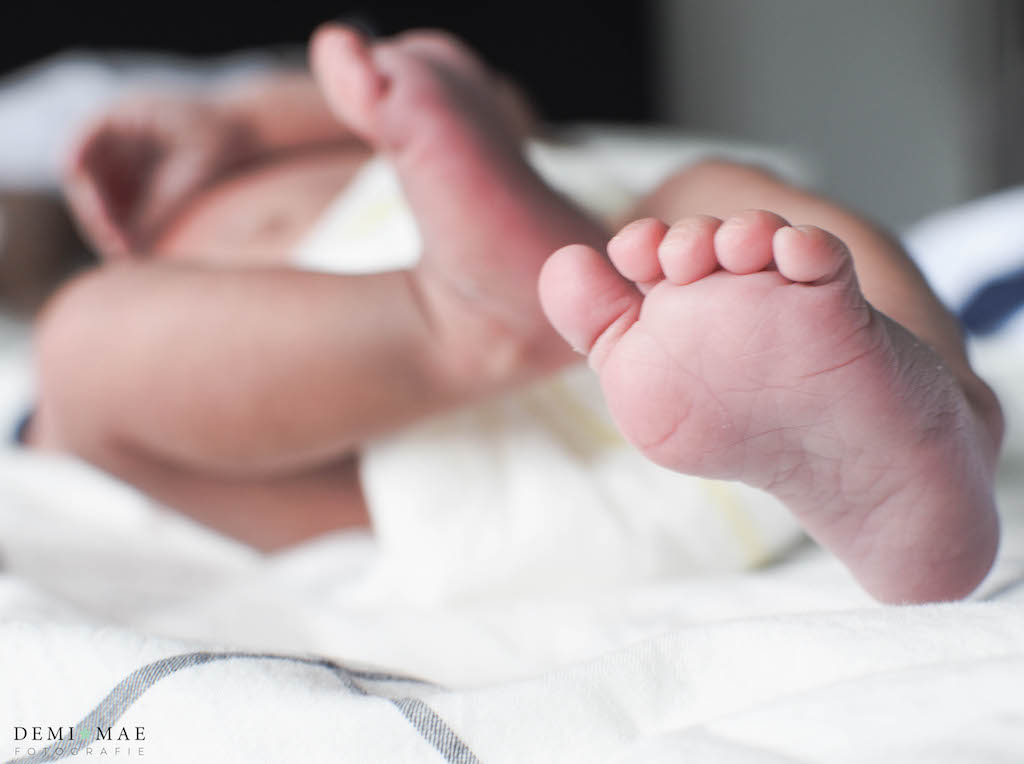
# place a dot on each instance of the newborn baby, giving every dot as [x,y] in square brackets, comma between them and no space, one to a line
[729,343]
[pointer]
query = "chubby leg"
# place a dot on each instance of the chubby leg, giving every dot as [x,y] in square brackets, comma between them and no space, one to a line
[235,373]
[453,131]
[268,373]
[262,371]
[267,513]
[748,349]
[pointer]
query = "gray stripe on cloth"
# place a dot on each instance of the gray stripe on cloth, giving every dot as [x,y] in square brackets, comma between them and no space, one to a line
[378,676]
[434,729]
[422,717]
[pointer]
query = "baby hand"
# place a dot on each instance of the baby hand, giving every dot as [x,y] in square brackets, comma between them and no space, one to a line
[131,169]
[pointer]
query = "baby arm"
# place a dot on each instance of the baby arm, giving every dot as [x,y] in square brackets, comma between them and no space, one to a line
[135,166]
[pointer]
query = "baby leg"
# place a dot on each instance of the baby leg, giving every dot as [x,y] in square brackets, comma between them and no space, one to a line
[263,373]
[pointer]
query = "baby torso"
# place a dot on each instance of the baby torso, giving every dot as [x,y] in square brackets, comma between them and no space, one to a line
[258,215]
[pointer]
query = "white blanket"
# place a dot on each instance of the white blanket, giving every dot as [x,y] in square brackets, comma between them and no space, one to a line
[299,656]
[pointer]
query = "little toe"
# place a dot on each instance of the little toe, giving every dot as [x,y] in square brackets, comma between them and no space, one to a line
[743,242]
[809,254]
[586,301]
[341,60]
[634,250]
[687,251]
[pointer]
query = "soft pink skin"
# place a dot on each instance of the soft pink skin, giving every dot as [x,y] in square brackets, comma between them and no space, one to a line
[139,166]
[130,170]
[487,219]
[745,350]
[258,217]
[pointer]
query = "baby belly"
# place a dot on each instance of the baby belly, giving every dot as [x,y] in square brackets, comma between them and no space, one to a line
[259,215]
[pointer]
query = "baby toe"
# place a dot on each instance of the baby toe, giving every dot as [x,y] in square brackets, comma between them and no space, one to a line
[634,250]
[341,60]
[743,243]
[586,301]
[687,251]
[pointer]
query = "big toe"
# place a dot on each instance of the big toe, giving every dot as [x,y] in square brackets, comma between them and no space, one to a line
[587,301]
[342,62]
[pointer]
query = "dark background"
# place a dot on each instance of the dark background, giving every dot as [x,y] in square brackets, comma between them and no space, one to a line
[578,60]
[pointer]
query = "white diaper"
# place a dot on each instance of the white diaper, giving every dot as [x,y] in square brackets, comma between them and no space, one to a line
[535,490]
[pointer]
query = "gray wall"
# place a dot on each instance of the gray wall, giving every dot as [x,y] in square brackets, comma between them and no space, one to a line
[894,102]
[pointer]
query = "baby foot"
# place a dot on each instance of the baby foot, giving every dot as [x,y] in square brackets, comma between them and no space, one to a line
[745,350]
[454,131]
